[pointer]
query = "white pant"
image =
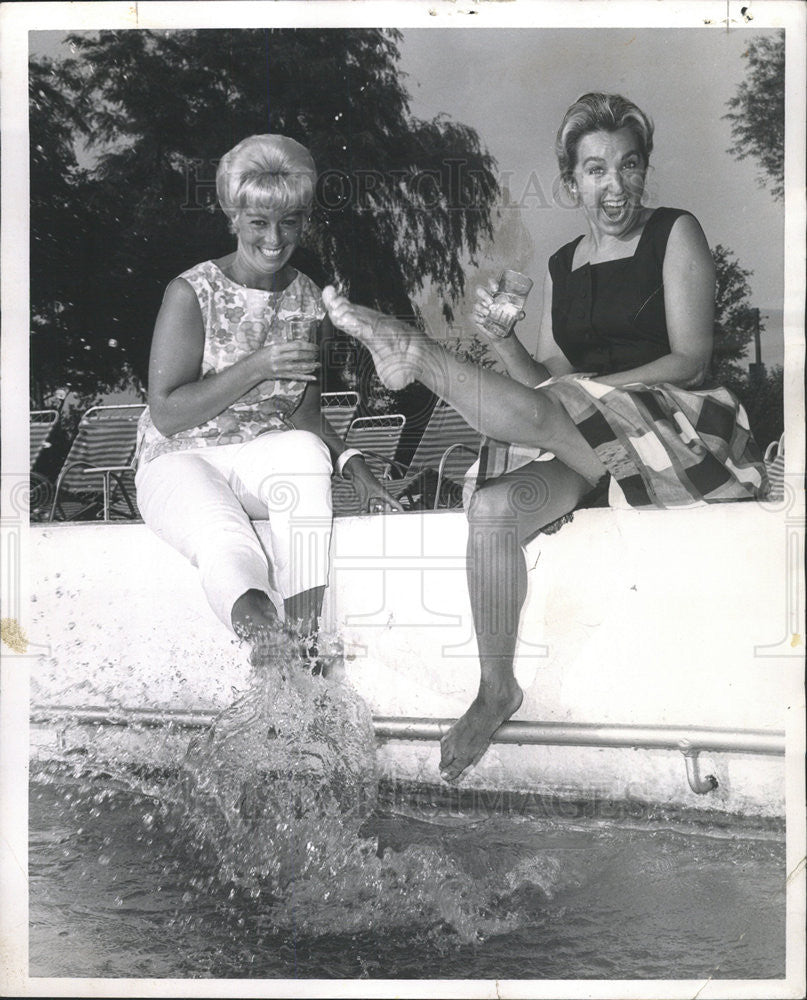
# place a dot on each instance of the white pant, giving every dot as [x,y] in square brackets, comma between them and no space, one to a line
[201,501]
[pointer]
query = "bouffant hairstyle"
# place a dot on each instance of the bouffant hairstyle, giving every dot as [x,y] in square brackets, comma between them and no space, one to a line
[597,112]
[270,172]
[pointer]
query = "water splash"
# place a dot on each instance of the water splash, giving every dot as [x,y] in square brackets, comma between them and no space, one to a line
[277,794]
[280,784]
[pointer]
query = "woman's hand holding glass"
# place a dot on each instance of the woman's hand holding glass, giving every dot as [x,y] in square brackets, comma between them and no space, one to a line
[296,359]
[488,316]
[481,308]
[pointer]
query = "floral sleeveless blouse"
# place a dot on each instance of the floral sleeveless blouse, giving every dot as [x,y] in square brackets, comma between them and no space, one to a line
[238,321]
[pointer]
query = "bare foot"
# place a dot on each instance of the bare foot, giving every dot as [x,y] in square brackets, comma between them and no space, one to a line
[396,347]
[469,737]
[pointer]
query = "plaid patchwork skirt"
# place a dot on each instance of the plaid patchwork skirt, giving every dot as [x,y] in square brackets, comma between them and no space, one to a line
[662,446]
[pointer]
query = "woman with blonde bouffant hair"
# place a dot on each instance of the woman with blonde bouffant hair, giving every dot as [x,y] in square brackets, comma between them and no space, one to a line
[233,430]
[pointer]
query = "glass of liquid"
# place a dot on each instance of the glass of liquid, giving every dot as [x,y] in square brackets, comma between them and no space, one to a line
[300,328]
[508,302]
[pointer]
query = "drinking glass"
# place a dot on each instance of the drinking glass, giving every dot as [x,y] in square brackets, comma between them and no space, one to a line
[300,328]
[508,301]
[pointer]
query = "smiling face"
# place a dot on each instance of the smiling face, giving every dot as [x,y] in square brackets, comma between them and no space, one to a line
[267,239]
[609,176]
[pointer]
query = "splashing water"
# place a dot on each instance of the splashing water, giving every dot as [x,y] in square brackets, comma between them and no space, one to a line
[280,784]
[277,794]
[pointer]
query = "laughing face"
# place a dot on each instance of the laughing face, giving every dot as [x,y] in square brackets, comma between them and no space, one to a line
[609,175]
[266,240]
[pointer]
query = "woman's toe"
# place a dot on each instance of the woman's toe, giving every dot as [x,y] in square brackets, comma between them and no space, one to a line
[450,773]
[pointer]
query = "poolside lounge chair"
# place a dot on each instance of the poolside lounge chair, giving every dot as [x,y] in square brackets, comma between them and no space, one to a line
[41,423]
[377,438]
[446,451]
[103,450]
[44,454]
[339,408]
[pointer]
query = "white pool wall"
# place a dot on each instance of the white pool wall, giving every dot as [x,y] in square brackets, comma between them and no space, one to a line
[673,618]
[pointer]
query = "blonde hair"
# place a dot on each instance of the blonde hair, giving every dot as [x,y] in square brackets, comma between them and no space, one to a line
[597,112]
[267,172]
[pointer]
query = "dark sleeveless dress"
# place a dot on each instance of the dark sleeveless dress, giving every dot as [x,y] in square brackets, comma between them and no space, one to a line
[610,317]
[663,446]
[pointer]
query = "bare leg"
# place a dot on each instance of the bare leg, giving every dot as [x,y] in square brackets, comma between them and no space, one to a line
[503,515]
[494,404]
[508,411]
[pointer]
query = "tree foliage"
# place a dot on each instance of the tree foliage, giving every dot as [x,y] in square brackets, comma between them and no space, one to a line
[64,267]
[764,402]
[735,318]
[757,112]
[736,321]
[399,201]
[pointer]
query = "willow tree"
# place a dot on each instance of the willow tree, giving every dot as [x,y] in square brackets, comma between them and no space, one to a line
[401,201]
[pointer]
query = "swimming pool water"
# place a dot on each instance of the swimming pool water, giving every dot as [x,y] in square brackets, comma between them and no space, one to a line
[115,892]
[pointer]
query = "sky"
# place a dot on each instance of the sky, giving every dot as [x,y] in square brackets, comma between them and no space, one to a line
[513,86]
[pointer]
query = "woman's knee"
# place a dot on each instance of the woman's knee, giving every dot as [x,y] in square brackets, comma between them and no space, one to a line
[508,500]
[286,471]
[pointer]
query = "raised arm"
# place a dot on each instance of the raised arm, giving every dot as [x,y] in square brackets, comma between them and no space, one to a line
[689,302]
[178,399]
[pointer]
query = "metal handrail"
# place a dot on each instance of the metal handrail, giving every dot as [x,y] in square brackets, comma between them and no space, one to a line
[124,717]
[689,741]
[588,734]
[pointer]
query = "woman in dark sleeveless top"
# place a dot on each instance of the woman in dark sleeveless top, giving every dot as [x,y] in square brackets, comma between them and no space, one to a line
[610,316]
[614,401]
